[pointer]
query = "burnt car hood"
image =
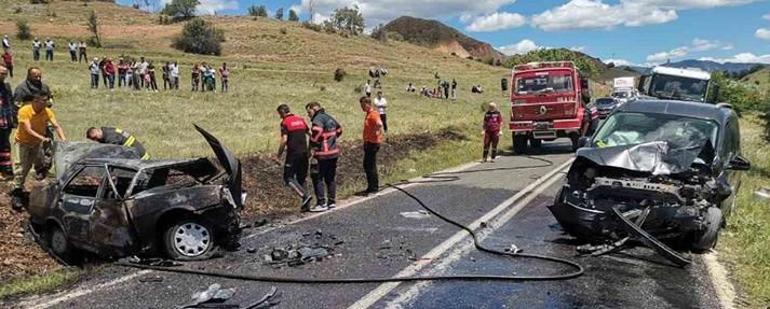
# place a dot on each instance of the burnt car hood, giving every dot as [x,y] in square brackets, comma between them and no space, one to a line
[656,158]
[229,162]
[67,153]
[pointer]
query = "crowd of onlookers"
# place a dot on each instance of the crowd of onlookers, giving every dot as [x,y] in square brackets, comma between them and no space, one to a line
[127,72]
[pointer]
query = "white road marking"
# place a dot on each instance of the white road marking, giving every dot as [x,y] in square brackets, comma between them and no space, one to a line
[83,291]
[44,302]
[535,188]
[718,274]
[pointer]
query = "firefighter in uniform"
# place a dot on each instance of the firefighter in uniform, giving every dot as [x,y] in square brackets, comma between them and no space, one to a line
[491,129]
[294,133]
[115,136]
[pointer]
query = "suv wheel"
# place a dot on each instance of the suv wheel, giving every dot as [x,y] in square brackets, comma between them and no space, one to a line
[189,239]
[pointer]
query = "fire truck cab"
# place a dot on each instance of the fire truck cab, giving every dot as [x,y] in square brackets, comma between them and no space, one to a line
[548,101]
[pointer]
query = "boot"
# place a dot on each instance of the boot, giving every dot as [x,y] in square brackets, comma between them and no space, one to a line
[17,199]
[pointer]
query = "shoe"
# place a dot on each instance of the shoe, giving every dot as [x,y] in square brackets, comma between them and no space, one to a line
[306,201]
[331,206]
[318,208]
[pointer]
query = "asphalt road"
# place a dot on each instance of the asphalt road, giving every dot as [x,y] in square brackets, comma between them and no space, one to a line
[384,237]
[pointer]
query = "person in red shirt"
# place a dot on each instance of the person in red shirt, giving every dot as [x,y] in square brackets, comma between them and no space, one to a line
[373,133]
[491,129]
[8,60]
[294,133]
[109,72]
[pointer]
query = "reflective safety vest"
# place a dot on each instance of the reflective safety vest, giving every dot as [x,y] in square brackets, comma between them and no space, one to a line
[117,136]
[323,136]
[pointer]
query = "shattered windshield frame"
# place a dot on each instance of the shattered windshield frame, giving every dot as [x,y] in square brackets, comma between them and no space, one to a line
[631,128]
[679,88]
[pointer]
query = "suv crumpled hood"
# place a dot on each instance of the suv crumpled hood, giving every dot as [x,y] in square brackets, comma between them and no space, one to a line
[67,153]
[229,162]
[656,158]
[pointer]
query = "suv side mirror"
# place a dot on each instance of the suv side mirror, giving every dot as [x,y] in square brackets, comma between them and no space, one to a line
[739,163]
[582,141]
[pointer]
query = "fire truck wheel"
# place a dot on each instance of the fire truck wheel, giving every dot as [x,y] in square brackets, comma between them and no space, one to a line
[519,144]
[575,138]
[535,143]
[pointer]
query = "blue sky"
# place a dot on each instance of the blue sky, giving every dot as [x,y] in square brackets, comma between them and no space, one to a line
[634,31]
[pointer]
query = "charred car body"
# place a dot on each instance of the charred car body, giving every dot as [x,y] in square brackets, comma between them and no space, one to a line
[107,201]
[655,170]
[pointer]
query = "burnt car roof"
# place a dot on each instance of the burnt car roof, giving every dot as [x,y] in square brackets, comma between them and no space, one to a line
[679,108]
[137,164]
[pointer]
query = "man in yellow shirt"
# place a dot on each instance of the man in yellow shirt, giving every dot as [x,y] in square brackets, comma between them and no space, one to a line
[33,119]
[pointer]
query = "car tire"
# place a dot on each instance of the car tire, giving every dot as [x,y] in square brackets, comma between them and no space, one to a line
[189,239]
[707,239]
[575,139]
[519,144]
[60,246]
[535,143]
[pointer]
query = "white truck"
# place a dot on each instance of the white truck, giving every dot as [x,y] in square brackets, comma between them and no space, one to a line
[679,84]
[623,89]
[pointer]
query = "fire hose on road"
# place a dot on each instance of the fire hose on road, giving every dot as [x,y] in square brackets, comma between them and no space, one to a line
[577,269]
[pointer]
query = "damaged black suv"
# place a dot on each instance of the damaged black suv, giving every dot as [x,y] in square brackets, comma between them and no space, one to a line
[664,171]
[107,201]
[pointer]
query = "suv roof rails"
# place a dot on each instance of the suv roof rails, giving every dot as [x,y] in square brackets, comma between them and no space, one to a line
[724,105]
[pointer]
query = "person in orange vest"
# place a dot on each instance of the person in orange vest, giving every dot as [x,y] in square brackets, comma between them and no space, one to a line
[294,133]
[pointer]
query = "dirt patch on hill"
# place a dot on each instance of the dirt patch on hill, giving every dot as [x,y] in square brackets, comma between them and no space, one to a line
[262,180]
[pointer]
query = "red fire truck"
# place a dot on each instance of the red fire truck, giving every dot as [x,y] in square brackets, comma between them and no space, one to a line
[548,101]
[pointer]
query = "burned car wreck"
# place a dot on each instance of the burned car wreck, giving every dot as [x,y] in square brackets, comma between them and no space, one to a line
[107,201]
[659,172]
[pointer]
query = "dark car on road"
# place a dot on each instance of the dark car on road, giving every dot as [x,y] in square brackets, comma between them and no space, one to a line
[605,106]
[670,167]
[107,201]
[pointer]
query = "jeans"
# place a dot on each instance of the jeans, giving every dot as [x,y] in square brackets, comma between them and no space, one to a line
[73,55]
[111,80]
[225,85]
[295,172]
[324,172]
[94,81]
[36,55]
[28,156]
[370,166]
[83,56]
[49,55]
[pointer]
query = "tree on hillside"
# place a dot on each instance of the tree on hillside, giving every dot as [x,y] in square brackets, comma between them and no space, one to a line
[181,9]
[279,14]
[200,37]
[93,26]
[379,34]
[587,65]
[293,16]
[347,20]
[258,11]
[22,30]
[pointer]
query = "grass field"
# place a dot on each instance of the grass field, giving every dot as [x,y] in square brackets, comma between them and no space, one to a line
[746,242]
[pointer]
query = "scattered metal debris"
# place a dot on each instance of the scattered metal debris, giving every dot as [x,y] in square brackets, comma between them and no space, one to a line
[214,293]
[151,279]
[311,247]
[420,214]
[267,301]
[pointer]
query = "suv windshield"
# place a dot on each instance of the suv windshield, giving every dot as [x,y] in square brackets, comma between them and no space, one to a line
[543,84]
[605,101]
[678,88]
[636,128]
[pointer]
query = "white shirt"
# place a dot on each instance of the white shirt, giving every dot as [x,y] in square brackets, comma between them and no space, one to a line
[36,44]
[143,67]
[6,43]
[381,104]
[367,88]
[73,47]
[49,45]
[174,70]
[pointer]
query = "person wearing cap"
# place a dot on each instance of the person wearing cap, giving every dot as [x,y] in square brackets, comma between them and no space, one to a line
[491,129]
[95,71]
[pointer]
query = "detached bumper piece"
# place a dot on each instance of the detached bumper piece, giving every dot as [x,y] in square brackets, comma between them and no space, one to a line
[651,241]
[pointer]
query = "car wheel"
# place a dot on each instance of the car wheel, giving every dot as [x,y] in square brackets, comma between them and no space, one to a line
[519,144]
[575,139]
[189,239]
[708,237]
[60,246]
[535,143]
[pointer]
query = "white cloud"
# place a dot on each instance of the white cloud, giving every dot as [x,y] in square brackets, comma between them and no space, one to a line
[382,11]
[619,62]
[522,47]
[578,48]
[741,58]
[697,45]
[496,21]
[212,6]
[582,14]
[762,33]
[766,16]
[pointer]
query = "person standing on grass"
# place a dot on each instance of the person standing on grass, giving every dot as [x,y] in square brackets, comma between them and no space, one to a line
[324,133]
[136,78]
[213,78]
[36,49]
[454,89]
[175,75]
[166,79]
[95,70]
[104,74]
[151,73]
[7,124]
[294,133]
[30,87]
[8,61]
[373,134]
[6,42]
[196,77]
[33,119]
[109,70]
[491,129]
[73,47]
[142,72]
[368,89]
[382,104]
[225,73]
[83,56]
[49,47]
[121,72]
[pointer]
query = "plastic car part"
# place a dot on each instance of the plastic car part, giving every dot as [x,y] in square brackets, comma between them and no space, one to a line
[651,241]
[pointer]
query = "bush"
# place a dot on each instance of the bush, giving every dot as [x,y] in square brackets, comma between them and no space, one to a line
[258,11]
[199,37]
[279,14]
[93,26]
[312,26]
[339,74]
[22,30]
[293,16]
[347,20]
[395,36]
[283,31]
